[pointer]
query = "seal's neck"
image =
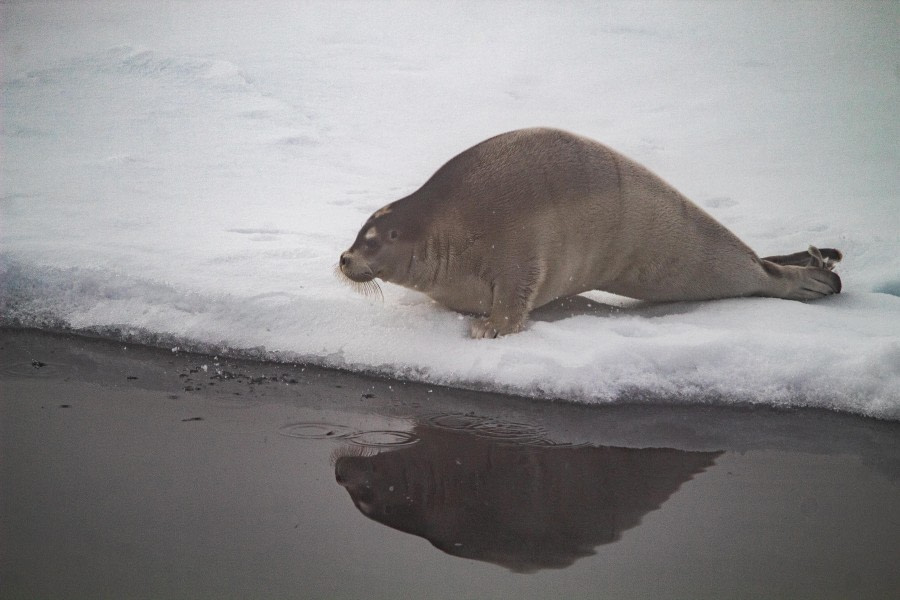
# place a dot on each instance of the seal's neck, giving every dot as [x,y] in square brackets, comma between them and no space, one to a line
[427,260]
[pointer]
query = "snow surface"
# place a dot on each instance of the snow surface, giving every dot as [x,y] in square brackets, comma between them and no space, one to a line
[188,174]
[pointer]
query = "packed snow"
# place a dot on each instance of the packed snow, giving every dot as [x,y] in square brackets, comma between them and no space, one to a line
[187,174]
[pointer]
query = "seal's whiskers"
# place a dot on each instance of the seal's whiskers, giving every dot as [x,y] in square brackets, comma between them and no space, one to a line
[368,289]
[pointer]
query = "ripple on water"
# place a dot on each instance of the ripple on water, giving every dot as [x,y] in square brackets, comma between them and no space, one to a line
[379,438]
[317,431]
[383,439]
[31,368]
[507,431]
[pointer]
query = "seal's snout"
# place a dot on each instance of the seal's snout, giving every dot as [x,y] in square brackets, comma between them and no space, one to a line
[354,267]
[355,271]
[345,264]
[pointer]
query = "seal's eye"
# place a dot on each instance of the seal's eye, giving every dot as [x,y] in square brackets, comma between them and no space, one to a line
[393,235]
[372,243]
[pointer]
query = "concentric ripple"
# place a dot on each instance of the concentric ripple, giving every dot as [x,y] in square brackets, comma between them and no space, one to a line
[505,431]
[320,430]
[31,368]
[383,439]
[317,431]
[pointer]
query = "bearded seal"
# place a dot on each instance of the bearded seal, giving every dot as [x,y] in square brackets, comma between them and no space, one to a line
[533,215]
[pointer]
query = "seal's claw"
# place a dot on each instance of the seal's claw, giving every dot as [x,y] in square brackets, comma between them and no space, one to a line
[483,328]
[487,328]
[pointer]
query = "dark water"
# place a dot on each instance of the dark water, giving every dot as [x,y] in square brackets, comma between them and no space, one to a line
[135,473]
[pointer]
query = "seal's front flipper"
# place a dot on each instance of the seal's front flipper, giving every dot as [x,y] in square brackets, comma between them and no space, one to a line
[512,301]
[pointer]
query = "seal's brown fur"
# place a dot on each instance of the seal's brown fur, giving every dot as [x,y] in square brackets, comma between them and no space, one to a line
[533,215]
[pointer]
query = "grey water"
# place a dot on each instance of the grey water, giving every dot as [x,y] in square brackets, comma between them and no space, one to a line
[130,472]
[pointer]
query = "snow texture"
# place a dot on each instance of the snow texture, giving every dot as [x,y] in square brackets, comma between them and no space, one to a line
[188,174]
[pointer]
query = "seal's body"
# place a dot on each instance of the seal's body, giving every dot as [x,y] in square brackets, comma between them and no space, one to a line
[533,215]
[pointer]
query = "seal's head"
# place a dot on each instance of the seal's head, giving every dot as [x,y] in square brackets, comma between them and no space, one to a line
[381,250]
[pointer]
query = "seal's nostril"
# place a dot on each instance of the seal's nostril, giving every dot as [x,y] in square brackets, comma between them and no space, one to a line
[343,260]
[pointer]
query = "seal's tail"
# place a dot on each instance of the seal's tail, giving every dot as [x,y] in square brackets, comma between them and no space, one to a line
[803,275]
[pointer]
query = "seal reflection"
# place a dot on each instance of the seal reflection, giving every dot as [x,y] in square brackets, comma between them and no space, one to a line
[524,506]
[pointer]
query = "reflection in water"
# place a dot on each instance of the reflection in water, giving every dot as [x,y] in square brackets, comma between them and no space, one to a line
[524,505]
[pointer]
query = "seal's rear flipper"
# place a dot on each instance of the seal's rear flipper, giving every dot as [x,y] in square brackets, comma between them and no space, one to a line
[822,258]
[800,282]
